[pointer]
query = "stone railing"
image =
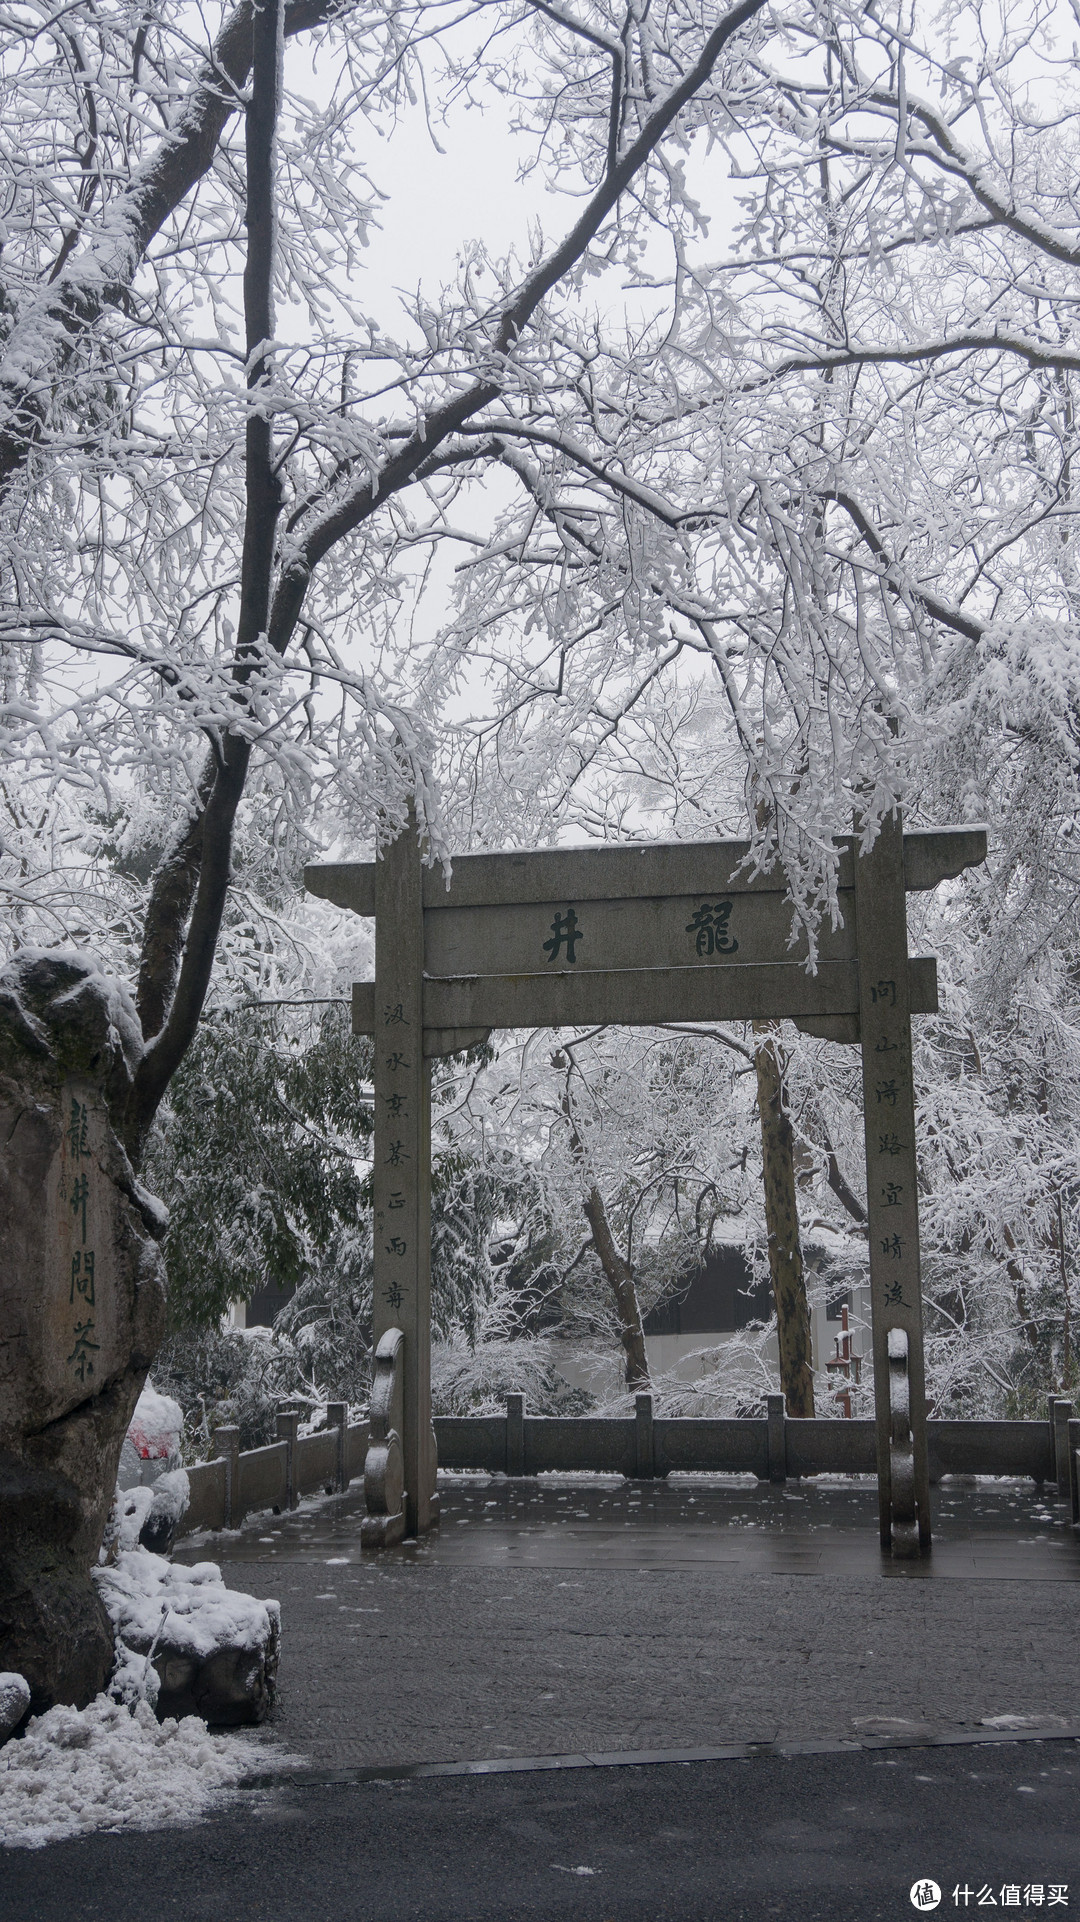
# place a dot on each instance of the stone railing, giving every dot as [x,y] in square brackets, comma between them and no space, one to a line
[773,1447]
[240,1483]
[642,1446]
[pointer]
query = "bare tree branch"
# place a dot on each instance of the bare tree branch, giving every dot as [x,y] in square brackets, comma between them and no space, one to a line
[904,589]
[50,328]
[359,503]
[1037,353]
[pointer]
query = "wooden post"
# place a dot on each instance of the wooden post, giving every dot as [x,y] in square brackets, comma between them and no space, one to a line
[402,1166]
[892,1193]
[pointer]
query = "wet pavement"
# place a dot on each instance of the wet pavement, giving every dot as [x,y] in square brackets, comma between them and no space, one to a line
[982,1530]
[584,1646]
[556,1616]
[827,1838]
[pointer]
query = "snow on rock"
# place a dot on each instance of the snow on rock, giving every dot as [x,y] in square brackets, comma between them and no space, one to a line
[172,1493]
[14,1702]
[108,1767]
[213,1650]
[151,1516]
[170,1496]
[206,1616]
[152,1443]
[133,1505]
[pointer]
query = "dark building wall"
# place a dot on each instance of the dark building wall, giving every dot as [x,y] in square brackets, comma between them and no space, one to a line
[719,1297]
[266,1302]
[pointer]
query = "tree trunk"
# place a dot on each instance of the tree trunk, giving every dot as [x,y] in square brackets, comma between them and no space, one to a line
[82,1071]
[782,1222]
[618,1273]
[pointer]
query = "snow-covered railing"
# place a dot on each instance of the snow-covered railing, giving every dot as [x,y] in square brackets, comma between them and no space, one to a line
[641,1446]
[239,1483]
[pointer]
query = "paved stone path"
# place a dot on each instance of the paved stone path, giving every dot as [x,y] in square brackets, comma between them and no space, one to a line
[453,1652]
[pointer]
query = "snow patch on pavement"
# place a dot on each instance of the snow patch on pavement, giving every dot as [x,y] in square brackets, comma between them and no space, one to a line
[108,1767]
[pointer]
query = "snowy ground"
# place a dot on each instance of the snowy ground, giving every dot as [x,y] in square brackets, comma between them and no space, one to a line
[111,1767]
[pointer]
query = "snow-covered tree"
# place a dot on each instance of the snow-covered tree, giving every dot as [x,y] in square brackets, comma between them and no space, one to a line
[213,465]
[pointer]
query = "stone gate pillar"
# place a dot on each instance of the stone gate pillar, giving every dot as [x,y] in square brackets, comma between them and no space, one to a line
[892,1196]
[402,1163]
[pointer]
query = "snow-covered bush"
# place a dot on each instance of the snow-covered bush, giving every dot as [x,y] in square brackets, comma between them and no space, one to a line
[474,1378]
[222,1377]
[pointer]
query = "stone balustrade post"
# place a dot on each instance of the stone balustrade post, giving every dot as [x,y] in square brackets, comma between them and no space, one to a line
[228,1447]
[777,1440]
[337,1416]
[1060,1409]
[645,1463]
[288,1421]
[515,1434]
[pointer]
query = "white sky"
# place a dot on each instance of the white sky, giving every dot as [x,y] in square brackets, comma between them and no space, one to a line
[439,202]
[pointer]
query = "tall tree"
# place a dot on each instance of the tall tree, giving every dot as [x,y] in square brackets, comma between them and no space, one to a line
[782,1222]
[617,1270]
[209,513]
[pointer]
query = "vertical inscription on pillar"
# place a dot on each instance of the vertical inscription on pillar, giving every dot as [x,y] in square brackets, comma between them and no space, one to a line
[890,1132]
[402,1155]
[397,1103]
[892,1191]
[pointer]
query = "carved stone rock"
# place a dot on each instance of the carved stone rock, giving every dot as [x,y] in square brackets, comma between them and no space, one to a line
[82,1306]
[230,1689]
[14,1704]
[214,1651]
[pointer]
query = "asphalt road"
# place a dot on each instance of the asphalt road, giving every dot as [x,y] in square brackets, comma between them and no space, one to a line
[820,1838]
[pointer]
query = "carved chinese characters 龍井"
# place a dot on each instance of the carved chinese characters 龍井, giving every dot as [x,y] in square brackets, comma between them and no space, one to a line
[565,933]
[709,926]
